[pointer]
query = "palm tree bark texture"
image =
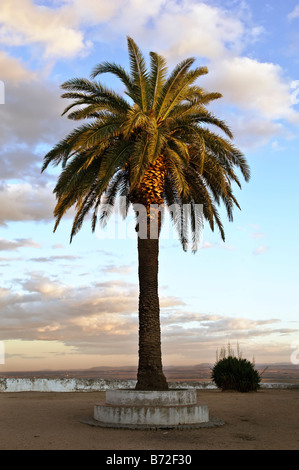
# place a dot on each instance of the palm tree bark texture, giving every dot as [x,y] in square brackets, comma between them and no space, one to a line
[150,358]
[156,150]
[148,196]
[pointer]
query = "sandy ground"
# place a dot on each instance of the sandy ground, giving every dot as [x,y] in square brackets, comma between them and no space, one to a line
[264,420]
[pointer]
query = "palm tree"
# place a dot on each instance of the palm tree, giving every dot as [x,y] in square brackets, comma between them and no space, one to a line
[154,147]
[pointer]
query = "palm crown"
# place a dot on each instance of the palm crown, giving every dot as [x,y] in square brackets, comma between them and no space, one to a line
[155,147]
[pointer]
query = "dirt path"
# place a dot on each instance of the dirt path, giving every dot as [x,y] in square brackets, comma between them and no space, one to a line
[266,420]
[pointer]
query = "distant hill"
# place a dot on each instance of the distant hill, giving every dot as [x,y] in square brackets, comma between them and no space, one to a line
[198,372]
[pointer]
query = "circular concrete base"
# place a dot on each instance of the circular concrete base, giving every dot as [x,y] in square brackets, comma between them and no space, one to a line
[213,422]
[151,398]
[137,409]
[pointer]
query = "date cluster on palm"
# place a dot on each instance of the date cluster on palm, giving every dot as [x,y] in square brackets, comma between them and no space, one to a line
[150,190]
[150,193]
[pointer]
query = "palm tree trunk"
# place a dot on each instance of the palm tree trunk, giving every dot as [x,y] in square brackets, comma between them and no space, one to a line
[150,374]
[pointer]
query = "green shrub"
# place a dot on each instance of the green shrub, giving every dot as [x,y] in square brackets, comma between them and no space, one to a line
[235,373]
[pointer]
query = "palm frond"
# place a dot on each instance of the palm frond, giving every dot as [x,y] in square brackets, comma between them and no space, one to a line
[135,119]
[138,73]
[81,85]
[138,160]
[158,73]
[181,91]
[157,142]
[115,69]
[176,169]
[114,159]
[171,85]
[109,197]
[82,209]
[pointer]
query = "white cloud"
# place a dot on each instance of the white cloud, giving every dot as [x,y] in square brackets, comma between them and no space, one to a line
[294,13]
[112,269]
[251,132]
[40,284]
[92,11]
[102,319]
[13,70]
[276,147]
[14,245]
[257,235]
[183,28]
[39,307]
[30,123]
[197,28]
[207,245]
[254,85]
[29,112]
[25,202]
[54,259]
[260,249]
[23,23]
[219,38]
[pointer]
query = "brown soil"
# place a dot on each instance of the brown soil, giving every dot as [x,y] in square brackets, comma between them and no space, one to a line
[264,420]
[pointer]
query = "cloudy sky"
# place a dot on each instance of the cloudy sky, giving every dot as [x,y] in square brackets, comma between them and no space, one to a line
[65,305]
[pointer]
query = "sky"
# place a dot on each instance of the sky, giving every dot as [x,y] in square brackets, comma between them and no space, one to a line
[67,306]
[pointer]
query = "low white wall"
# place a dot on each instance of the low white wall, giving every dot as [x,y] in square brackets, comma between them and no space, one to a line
[61,385]
[93,385]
